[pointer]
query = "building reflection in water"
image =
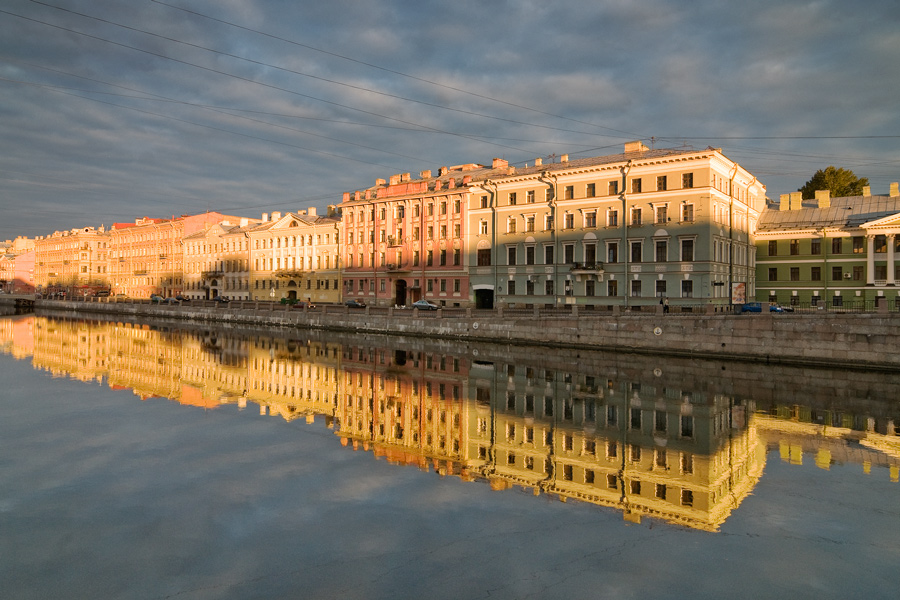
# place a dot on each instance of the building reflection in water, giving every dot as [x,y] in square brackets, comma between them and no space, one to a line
[679,440]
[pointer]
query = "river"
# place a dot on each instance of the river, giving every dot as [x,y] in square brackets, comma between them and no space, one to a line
[163,460]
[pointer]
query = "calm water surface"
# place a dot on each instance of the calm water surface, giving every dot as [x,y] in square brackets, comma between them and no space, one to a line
[153,462]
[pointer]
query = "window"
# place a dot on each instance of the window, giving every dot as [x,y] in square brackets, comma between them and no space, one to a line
[484,202]
[511,225]
[635,216]
[510,287]
[512,198]
[590,254]
[529,223]
[548,287]
[635,288]
[687,180]
[773,248]
[548,255]
[590,190]
[590,219]
[612,288]
[548,222]
[687,250]
[589,288]
[613,189]
[548,194]
[529,196]
[815,273]
[429,258]
[836,246]
[859,246]
[687,426]
[687,498]
[569,221]
[815,246]
[457,257]
[687,212]
[612,218]
[443,257]
[795,273]
[484,257]
[612,252]
[569,192]
[569,253]
[636,251]
[662,250]
[837,273]
[529,287]
[661,491]
[687,288]
[529,255]
[773,274]
[795,247]
[511,255]
[636,186]
[857,273]
[661,183]
[660,288]
[482,227]
[662,214]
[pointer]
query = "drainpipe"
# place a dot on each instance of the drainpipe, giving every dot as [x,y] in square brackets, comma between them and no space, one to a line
[492,188]
[731,230]
[625,249]
[551,180]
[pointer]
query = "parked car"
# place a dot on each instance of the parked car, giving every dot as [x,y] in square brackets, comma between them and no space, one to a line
[221,299]
[156,299]
[757,307]
[303,305]
[424,305]
[355,303]
[181,298]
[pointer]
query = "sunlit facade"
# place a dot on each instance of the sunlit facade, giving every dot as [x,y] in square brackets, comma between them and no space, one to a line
[72,262]
[217,261]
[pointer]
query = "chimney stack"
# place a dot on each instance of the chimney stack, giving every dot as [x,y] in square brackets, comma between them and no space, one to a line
[425,174]
[276,216]
[380,182]
[796,200]
[895,189]
[784,202]
[499,163]
[311,211]
[564,158]
[823,198]
[867,191]
[538,162]
[265,217]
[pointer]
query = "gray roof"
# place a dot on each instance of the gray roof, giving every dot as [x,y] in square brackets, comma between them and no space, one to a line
[847,212]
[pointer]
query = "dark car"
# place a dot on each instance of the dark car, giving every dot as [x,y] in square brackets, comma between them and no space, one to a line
[221,299]
[156,299]
[303,305]
[757,307]
[355,303]
[181,298]
[424,305]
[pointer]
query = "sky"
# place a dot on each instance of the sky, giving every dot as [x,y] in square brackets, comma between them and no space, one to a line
[111,110]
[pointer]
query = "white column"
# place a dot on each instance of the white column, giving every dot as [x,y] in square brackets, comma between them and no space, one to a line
[870,260]
[890,258]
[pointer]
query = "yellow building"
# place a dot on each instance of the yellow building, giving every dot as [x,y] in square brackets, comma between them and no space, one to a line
[296,257]
[217,261]
[72,262]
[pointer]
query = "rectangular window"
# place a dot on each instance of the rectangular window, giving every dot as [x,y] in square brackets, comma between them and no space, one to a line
[529,196]
[687,250]
[482,227]
[529,223]
[795,273]
[548,222]
[837,246]
[687,212]
[662,250]
[662,214]
[443,256]
[484,202]
[590,254]
[548,255]
[687,426]
[529,255]
[635,288]
[511,255]
[613,189]
[511,225]
[512,198]
[660,288]
[815,273]
[457,257]
[612,252]
[612,218]
[569,192]
[510,287]
[687,180]
[429,258]
[837,273]
[456,286]
[484,257]
[569,221]
[687,288]
[773,274]
[795,247]
[635,216]
[815,246]
[773,248]
[859,245]
[590,190]
[590,220]
[636,251]
[548,287]
[857,273]
[636,186]
[612,288]
[589,288]
[569,253]
[661,183]
[548,194]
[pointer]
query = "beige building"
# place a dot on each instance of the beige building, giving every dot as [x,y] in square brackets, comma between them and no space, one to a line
[296,257]
[72,262]
[217,261]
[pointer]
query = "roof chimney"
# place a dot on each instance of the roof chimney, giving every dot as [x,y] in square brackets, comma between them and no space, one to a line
[405,177]
[425,174]
[444,170]
[499,163]
[311,211]
[823,198]
[395,179]
[244,221]
[380,182]
[265,217]
[895,189]
[276,216]
[538,162]
[796,200]
[636,146]
[346,196]
[564,158]
[784,202]
[867,191]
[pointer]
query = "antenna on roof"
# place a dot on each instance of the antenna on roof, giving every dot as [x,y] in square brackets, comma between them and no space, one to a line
[652,141]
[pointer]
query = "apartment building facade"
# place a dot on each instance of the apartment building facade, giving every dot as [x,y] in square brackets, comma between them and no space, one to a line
[73,262]
[834,252]
[296,257]
[626,230]
[217,261]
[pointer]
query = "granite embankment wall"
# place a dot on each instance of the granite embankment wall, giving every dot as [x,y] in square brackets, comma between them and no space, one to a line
[866,341]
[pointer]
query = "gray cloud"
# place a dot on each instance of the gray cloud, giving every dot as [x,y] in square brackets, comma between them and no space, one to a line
[117,123]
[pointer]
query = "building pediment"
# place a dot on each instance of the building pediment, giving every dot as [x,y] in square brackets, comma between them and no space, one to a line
[891,223]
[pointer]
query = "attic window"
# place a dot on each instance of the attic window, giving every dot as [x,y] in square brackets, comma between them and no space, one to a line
[293,224]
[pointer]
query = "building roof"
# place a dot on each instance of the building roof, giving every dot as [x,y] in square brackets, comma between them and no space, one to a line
[847,212]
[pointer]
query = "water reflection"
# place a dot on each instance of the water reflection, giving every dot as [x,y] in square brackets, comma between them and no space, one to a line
[680,440]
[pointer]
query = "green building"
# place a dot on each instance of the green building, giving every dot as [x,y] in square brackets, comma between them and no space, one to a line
[830,252]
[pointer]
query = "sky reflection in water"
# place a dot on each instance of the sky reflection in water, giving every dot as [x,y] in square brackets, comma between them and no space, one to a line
[105,495]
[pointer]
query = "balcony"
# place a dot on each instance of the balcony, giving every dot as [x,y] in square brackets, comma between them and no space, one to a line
[140,272]
[395,268]
[586,268]
[290,273]
[211,274]
[394,241]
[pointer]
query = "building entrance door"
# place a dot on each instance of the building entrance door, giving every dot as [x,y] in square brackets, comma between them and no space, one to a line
[484,298]
[400,292]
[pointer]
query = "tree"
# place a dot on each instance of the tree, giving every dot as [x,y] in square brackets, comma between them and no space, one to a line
[840,182]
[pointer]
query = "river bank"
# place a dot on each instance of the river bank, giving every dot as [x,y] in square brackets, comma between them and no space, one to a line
[857,341]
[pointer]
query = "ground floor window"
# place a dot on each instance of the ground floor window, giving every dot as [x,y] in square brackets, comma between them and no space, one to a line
[687,288]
